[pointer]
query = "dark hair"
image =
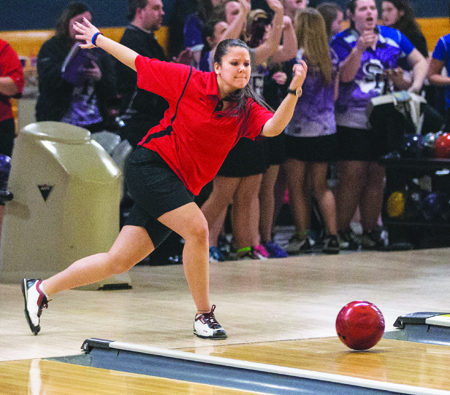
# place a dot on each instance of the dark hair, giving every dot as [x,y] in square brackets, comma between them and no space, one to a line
[240,95]
[204,10]
[72,10]
[329,13]
[351,6]
[208,30]
[133,6]
[407,22]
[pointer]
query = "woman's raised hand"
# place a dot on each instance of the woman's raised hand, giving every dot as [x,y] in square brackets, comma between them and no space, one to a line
[245,6]
[367,39]
[299,71]
[280,77]
[275,5]
[86,30]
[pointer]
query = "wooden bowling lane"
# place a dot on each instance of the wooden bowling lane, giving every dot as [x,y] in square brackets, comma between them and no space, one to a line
[37,377]
[390,361]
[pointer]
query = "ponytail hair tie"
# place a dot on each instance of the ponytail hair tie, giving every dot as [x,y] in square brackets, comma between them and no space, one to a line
[94,38]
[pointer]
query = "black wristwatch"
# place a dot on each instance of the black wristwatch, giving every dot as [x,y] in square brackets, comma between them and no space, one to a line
[297,92]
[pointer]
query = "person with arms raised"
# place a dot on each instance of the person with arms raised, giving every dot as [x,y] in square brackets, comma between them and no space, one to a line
[208,113]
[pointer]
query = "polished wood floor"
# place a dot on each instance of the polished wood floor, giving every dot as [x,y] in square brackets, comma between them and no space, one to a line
[391,361]
[272,302]
[38,377]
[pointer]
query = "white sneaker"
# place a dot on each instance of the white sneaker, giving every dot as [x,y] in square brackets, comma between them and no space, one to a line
[207,327]
[35,301]
[297,245]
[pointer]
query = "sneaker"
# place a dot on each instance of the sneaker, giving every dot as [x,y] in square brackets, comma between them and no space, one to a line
[349,240]
[244,253]
[256,252]
[35,301]
[373,240]
[299,246]
[331,245]
[274,250]
[259,252]
[215,255]
[207,327]
[224,245]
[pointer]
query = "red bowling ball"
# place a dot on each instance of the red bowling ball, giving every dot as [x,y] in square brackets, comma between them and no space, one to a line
[442,149]
[360,325]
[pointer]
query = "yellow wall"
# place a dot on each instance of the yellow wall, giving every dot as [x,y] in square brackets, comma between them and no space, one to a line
[28,42]
[433,29]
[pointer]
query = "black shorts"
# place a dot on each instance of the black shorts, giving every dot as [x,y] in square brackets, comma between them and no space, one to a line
[156,190]
[312,149]
[246,158]
[359,144]
[275,149]
[7,136]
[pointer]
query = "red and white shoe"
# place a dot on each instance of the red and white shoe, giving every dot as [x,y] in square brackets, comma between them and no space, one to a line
[207,327]
[35,301]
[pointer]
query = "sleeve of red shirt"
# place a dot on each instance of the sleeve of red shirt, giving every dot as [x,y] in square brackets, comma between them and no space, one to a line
[11,66]
[163,78]
[258,116]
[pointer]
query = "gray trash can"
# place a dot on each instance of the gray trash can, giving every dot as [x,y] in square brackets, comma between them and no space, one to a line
[67,193]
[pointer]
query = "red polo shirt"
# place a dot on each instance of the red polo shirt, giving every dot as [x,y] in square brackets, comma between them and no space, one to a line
[10,66]
[194,137]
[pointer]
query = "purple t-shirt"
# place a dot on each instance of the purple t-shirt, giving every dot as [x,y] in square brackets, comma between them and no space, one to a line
[193,29]
[314,112]
[392,48]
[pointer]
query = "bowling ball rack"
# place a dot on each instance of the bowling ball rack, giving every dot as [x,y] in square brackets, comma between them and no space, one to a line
[417,233]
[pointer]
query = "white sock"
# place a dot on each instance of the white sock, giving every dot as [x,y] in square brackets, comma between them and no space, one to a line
[41,288]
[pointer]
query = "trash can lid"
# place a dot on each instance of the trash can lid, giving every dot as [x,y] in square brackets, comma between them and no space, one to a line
[58,132]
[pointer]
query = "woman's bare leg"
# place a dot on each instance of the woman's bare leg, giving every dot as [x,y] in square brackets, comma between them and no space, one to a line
[371,201]
[348,192]
[299,197]
[279,192]
[216,228]
[131,246]
[324,196]
[267,202]
[2,211]
[245,212]
[190,223]
[216,206]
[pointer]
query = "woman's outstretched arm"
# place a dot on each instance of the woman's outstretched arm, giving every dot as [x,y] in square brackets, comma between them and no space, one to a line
[285,111]
[87,30]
